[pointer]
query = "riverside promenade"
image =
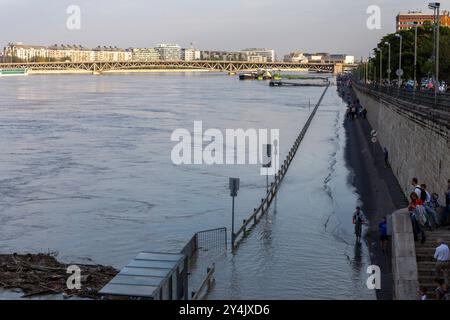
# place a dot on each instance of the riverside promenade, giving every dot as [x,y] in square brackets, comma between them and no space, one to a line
[377,186]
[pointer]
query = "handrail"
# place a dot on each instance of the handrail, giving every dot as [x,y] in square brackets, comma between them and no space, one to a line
[265,202]
[206,283]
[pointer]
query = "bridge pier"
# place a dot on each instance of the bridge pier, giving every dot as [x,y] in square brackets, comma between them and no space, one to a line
[338,69]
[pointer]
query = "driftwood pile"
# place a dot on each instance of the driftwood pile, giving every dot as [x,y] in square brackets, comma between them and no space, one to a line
[39,274]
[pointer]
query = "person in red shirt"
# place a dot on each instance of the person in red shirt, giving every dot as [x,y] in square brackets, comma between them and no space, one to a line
[415,201]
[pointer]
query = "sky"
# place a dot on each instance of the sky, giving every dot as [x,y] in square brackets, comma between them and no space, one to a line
[336,26]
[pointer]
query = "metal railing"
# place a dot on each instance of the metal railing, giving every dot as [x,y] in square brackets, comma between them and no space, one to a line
[206,240]
[440,101]
[422,106]
[212,239]
[263,208]
[205,286]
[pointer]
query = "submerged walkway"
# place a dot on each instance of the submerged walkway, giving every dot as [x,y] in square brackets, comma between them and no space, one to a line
[304,247]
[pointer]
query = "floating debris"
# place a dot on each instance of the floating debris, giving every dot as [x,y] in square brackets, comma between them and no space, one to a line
[40,274]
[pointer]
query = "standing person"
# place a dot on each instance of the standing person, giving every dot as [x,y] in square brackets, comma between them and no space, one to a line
[358,221]
[386,157]
[415,215]
[447,204]
[364,113]
[441,290]
[382,229]
[432,214]
[417,189]
[442,256]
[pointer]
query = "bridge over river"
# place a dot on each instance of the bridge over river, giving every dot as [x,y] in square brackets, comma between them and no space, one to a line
[229,66]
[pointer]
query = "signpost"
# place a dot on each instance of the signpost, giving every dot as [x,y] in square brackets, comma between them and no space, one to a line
[234,187]
[374,139]
[267,162]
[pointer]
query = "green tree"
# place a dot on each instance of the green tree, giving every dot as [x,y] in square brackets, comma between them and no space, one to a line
[425,61]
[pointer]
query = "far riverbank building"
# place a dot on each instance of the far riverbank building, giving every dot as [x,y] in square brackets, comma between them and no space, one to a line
[405,21]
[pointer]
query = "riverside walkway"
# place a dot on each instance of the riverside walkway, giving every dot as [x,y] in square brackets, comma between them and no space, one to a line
[422,113]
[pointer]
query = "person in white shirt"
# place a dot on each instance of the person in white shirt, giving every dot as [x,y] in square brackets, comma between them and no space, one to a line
[417,189]
[442,256]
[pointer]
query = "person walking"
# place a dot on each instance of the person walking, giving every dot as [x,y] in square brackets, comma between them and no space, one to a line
[442,257]
[358,221]
[382,229]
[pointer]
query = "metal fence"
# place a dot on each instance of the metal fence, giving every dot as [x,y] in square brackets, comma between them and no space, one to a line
[212,239]
[206,240]
[263,208]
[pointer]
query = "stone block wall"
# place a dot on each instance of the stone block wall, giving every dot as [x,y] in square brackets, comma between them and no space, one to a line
[418,147]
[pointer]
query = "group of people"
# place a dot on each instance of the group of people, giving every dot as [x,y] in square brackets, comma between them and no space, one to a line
[359,220]
[442,257]
[426,210]
[354,108]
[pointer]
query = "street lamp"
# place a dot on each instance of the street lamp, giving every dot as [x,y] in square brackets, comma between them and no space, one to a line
[389,63]
[415,59]
[435,6]
[381,65]
[399,71]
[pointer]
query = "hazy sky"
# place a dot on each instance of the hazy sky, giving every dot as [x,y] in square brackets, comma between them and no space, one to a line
[337,26]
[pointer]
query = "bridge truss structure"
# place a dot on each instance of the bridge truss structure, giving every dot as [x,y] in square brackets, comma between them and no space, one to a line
[228,66]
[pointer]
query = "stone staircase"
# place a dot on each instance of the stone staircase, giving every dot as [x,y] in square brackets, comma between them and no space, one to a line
[425,257]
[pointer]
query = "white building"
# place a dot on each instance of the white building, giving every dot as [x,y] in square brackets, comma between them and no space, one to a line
[341,58]
[349,60]
[297,57]
[189,54]
[112,54]
[25,52]
[145,54]
[75,53]
[171,52]
[269,54]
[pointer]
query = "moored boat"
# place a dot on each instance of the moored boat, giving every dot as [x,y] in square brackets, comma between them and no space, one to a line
[13,72]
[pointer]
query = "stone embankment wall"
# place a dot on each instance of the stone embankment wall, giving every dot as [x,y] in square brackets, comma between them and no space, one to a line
[418,146]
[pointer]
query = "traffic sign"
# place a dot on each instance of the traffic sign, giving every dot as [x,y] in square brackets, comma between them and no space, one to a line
[399,72]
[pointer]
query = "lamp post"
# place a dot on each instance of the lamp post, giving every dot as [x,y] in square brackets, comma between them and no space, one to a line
[399,71]
[435,6]
[381,66]
[415,60]
[389,63]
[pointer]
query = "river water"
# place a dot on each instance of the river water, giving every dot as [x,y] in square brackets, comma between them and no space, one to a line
[86,171]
